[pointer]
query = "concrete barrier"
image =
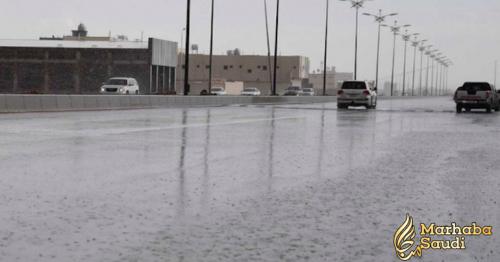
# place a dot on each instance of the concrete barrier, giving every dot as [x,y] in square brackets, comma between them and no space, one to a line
[53,103]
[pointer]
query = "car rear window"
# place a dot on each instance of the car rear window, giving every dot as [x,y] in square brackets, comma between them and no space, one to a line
[117,82]
[475,87]
[354,85]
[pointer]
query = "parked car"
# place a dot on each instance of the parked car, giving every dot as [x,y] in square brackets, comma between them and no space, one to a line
[356,93]
[308,92]
[250,91]
[293,91]
[120,86]
[218,91]
[476,95]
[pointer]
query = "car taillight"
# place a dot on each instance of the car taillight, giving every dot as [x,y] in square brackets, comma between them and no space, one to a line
[340,92]
[366,93]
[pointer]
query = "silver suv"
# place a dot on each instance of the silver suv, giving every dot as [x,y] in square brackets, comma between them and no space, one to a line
[356,93]
[474,95]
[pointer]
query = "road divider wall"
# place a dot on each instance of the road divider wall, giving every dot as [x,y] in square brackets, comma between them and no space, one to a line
[55,103]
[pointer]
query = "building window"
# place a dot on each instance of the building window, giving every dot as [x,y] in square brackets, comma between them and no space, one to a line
[258,67]
[198,66]
[231,67]
[207,67]
[183,66]
[264,68]
[249,71]
[294,67]
[226,67]
[241,66]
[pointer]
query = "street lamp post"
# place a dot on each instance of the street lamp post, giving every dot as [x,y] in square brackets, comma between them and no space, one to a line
[395,30]
[357,4]
[276,48]
[415,43]
[326,47]
[428,53]
[186,63]
[436,76]
[211,50]
[379,18]
[268,50]
[432,73]
[421,49]
[406,38]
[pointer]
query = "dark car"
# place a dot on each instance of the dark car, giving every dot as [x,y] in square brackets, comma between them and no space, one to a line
[477,95]
[293,91]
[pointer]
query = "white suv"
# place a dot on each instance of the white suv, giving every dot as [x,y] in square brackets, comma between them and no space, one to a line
[120,86]
[356,93]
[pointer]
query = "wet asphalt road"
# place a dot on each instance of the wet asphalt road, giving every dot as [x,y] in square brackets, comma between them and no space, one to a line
[245,183]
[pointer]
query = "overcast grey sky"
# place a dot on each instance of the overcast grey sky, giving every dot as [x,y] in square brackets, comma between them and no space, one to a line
[467,31]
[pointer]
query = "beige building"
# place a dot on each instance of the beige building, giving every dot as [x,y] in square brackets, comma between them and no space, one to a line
[252,70]
[334,80]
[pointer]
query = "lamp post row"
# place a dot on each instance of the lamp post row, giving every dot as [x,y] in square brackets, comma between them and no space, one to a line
[442,63]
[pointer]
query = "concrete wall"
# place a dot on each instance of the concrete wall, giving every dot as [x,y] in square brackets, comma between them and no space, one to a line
[48,103]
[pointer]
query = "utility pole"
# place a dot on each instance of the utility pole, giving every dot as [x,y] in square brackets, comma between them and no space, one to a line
[186,63]
[268,50]
[211,50]
[326,48]
[276,47]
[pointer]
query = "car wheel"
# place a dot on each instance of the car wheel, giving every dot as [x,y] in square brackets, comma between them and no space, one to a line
[467,109]
[127,93]
[459,109]
[488,109]
[136,92]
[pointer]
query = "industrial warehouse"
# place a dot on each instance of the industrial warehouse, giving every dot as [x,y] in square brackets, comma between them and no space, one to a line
[79,64]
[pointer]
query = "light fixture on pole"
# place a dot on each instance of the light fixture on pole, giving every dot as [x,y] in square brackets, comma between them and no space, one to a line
[395,30]
[406,37]
[357,4]
[379,18]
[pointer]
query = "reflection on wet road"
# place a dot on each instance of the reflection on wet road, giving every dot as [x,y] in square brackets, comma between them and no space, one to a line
[239,183]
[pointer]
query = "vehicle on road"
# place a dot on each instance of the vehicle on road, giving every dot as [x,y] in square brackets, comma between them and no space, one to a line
[476,95]
[250,91]
[308,92]
[218,91]
[293,91]
[120,86]
[356,93]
